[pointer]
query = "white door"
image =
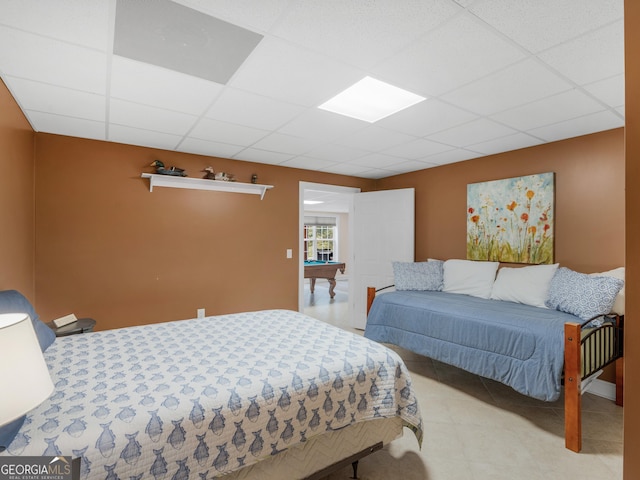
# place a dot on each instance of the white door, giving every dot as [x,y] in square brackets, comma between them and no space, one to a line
[383,225]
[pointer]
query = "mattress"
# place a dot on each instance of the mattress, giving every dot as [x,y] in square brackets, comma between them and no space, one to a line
[519,345]
[211,396]
[304,459]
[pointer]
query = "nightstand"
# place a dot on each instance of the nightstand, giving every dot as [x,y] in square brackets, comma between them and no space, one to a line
[80,326]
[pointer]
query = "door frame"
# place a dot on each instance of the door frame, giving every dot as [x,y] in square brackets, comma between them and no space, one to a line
[323,188]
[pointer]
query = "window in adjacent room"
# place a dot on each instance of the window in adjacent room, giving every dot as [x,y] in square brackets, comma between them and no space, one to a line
[320,238]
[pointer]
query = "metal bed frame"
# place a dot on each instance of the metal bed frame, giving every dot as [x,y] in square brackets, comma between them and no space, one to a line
[583,357]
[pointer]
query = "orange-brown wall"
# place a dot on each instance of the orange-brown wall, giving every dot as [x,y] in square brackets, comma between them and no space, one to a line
[16,198]
[589,200]
[108,248]
[632,312]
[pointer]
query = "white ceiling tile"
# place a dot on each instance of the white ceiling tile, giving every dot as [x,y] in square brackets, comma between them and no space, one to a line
[278,142]
[470,133]
[346,169]
[61,125]
[308,163]
[376,173]
[223,132]
[50,61]
[505,144]
[263,156]
[244,108]
[151,85]
[374,138]
[609,90]
[213,149]
[540,24]
[412,166]
[452,156]
[360,33]
[451,56]
[592,57]
[337,153]
[426,118]
[378,160]
[149,118]
[471,57]
[416,149]
[261,15]
[143,138]
[322,125]
[519,84]
[596,122]
[57,100]
[554,109]
[292,74]
[75,21]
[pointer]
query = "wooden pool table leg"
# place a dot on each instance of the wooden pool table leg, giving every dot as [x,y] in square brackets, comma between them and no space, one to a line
[332,285]
[312,284]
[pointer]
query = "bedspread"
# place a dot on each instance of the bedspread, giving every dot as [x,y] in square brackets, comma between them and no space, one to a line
[209,395]
[519,345]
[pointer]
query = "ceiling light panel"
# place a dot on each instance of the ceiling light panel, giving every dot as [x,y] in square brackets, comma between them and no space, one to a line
[179,38]
[371,100]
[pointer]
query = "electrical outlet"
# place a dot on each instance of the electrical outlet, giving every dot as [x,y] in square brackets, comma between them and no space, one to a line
[200,312]
[289,253]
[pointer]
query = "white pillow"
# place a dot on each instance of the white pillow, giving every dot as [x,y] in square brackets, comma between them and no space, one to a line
[618,305]
[469,277]
[528,285]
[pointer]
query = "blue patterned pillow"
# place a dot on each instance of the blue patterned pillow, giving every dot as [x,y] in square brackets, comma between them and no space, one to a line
[582,295]
[418,275]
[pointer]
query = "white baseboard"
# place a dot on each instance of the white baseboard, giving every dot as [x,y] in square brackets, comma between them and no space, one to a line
[603,389]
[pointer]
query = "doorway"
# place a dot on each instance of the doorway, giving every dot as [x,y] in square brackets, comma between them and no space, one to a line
[325,235]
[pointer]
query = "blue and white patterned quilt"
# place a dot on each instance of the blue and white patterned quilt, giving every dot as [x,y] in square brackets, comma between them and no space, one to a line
[209,396]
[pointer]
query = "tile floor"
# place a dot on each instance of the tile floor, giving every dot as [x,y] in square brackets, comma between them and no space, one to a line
[478,429]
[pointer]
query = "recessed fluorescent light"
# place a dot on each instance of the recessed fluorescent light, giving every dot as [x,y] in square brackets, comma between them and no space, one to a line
[371,100]
[312,202]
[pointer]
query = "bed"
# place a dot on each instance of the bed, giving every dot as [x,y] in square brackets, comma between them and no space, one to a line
[529,348]
[230,395]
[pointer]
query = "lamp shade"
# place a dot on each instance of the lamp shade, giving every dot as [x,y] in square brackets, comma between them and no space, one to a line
[24,375]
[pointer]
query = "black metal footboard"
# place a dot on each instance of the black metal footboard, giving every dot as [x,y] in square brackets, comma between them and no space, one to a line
[602,346]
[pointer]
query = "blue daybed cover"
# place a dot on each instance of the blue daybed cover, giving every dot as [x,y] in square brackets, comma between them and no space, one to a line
[519,345]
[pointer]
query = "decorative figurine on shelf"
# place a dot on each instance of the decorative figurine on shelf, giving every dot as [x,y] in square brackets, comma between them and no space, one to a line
[210,174]
[175,171]
[225,177]
[254,178]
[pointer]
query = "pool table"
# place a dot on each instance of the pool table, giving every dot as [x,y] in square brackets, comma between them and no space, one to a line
[320,269]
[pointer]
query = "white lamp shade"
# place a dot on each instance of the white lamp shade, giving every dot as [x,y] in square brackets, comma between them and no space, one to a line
[24,375]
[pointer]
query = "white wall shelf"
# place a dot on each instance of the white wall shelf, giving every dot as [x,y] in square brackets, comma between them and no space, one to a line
[156,180]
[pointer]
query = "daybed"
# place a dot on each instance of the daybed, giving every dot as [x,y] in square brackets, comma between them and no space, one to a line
[457,312]
[268,394]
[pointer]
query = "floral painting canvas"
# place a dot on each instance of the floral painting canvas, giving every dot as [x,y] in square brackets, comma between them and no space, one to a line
[511,220]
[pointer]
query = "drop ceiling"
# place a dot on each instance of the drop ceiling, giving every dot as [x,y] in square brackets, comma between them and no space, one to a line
[498,75]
